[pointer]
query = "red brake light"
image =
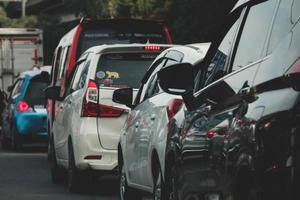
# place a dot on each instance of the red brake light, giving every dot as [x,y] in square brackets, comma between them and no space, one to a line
[91,108]
[211,134]
[173,107]
[23,106]
[152,48]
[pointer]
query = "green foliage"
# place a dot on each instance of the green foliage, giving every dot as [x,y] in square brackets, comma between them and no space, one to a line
[28,21]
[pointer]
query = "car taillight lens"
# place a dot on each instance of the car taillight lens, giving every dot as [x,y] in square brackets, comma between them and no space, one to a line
[173,107]
[91,108]
[23,106]
[152,48]
[211,134]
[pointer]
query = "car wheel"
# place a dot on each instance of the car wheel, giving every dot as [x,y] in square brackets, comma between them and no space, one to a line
[56,172]
[16,143]
[127,193]
[75,178]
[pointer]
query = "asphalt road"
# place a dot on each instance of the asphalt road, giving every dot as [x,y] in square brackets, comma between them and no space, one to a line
[25,176]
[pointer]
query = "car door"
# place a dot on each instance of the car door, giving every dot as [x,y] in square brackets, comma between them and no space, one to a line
[63,121]
[228,96]
[153,117]
[134,125]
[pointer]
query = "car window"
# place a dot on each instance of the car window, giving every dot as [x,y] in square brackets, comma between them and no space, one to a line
[282,24]
[35,94]
[64,62]
[218,62]
[76,77]
[56,64]
[83,76]
[123,69]
[17,88]
[296,11]
[254,34]
[61,63]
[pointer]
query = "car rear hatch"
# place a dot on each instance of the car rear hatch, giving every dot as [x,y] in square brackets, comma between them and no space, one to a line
[118,70]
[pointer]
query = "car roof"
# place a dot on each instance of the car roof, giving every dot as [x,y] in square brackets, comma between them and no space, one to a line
[193,53]
[30,73]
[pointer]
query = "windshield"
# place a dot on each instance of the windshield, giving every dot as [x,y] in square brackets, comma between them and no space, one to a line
[123,69]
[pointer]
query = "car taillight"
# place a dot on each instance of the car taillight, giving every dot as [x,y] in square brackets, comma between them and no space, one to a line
[173,107]
[91,108]
[23,106]
[152,48]
[211,134]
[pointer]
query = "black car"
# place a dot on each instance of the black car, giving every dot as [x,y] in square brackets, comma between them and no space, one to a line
[238,139]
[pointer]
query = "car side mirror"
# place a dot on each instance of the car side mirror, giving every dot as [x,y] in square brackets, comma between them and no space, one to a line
[53,93]
[123,96]
[179,79]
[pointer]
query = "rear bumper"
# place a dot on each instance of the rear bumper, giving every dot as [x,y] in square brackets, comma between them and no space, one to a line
[31,124]
[87,145]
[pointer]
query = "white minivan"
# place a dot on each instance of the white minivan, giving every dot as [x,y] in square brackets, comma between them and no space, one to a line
[86,131]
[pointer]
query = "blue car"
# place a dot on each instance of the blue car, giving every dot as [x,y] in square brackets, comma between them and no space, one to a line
[25,116]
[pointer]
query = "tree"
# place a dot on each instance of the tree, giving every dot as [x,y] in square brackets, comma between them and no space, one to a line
[28,21]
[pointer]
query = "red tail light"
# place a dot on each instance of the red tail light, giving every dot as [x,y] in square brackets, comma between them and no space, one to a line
[211,134]
[152,48]
[91,108]
[173,107]
[23,106]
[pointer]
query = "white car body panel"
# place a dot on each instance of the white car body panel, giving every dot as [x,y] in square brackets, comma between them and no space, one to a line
[91,135]
[146,128]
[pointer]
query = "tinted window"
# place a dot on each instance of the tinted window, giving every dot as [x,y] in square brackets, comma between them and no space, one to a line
[282,24]
[35,94]
[76,77]
[90,38]
[17,88]
[123,69]
[83,76]
[56,64]
[219,60]
[254,34]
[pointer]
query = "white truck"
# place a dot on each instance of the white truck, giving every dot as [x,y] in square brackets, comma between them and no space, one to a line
[21,49]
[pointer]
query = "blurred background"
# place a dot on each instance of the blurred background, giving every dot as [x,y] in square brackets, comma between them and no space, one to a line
[189,20]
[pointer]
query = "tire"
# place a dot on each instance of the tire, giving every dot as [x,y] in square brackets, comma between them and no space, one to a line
[75,178]
[56,172]
[127,193]
[16,142]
